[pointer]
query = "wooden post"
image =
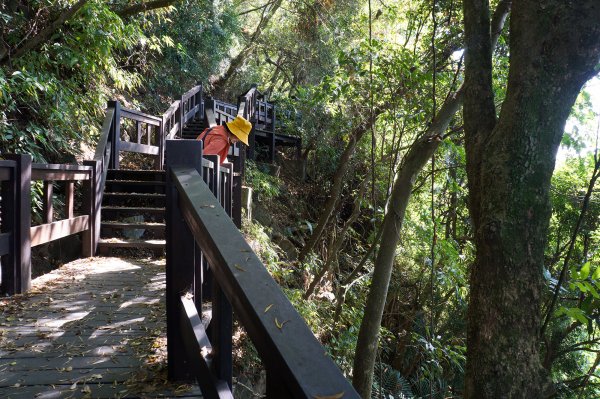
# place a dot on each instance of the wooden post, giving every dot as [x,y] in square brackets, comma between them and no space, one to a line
[115,136]
[199,100]
[180,254]
[138,128]
[89,241]
[180,115]
[220,333]
[91,206]
[16,219]
[238,175]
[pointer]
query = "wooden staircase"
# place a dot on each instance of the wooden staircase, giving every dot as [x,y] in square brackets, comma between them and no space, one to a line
[133,211]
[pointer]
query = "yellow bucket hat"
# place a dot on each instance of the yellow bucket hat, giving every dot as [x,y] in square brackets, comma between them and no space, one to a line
[241,128]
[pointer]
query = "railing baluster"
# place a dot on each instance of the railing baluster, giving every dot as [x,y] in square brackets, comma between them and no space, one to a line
[69,197]
[115,134]
[48,206]
[220,333]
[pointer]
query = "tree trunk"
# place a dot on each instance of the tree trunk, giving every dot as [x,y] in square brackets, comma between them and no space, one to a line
[554,46]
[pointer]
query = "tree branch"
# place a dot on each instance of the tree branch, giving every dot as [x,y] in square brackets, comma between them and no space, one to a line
[42,35]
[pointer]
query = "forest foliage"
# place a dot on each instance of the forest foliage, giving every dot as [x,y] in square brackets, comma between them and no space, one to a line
[374,72]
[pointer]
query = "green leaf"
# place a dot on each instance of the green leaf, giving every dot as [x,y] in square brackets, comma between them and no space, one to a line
[596,275]
[585,271]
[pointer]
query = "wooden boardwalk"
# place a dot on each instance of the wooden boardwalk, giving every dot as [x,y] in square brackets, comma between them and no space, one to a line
[94,328]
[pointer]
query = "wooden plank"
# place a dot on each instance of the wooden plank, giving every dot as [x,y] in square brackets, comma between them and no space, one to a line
[53,231]
[60,167]
[95,390]
[78,362]
[5,241]
[140,148]
[140,116]
[190,93]
[281,336]
[57,175]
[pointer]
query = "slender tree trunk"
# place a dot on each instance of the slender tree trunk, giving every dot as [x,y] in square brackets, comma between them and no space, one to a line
[415,160]
[554,47]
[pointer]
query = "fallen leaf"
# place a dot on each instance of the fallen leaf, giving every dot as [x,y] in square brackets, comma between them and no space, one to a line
[86,389]
[280,325]
[74,386]
[239,267]
[267,308]
[334,396]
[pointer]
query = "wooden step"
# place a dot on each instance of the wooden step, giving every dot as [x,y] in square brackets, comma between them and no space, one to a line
[130,243]
[155,214]
[146,175]
[139,199]
[127,225]
[135,186]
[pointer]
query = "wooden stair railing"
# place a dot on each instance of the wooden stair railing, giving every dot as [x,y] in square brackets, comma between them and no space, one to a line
[203,241]
[18,236]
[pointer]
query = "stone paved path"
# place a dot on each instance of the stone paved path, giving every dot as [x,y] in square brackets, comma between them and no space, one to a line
[94,328]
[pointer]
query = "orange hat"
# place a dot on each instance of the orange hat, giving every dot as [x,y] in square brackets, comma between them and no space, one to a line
[241,128]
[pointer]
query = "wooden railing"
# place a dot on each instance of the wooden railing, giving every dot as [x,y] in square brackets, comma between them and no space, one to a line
[18,236]
[212,270]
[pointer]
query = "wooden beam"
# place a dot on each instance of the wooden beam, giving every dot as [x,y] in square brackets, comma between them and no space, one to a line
[140,116]
[140,148]
[53,231]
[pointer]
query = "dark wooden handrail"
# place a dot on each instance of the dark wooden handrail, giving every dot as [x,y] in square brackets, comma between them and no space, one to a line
[199,232]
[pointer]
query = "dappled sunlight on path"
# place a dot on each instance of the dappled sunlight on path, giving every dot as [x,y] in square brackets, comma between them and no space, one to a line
[94,328]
